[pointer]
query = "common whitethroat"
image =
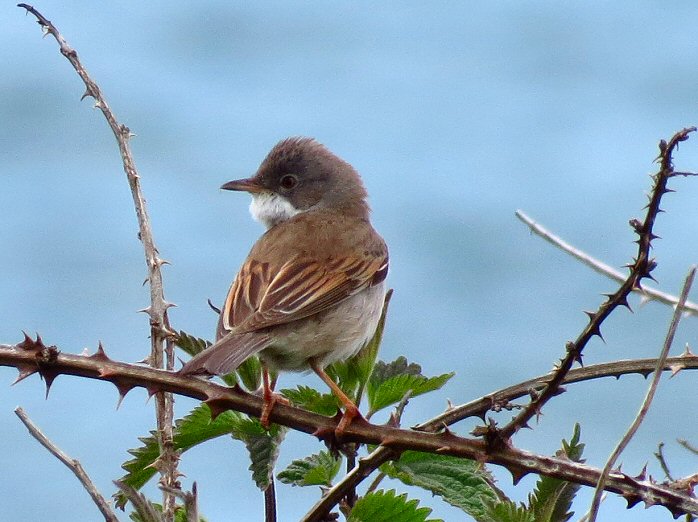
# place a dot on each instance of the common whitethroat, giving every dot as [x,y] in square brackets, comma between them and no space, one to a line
[311,290]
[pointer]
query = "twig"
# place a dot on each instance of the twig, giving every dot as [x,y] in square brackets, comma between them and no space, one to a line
[690,447]
[601,267]
[270,502]
[640,269]
[659,454]
[72,464]
[651,390]
[160,328]
[32,357]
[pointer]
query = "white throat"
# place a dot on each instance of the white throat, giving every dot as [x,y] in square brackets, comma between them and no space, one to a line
[271,209]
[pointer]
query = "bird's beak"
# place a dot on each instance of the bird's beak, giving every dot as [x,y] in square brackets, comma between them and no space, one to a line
[246,185]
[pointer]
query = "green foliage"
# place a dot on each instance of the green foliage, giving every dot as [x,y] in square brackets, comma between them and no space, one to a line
[312,400]
[508,511]
[316,470]
[552,498]
[460,482]
[190,344]
[263,447]
[189,431]
[390,382]
[250,373]
[385,506]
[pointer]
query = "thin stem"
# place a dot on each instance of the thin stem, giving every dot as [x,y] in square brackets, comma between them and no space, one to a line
[644,408]
[157,311]
[599,266]
[72,464]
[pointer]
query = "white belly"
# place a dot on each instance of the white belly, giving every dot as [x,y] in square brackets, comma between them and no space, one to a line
[329,336]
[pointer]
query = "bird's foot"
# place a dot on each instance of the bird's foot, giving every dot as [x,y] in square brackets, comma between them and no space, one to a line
[270,399]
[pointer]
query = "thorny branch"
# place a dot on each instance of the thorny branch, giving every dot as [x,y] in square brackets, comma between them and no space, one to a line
[72,464]
[651,390]
[160,332]
[640,269]
[31,357]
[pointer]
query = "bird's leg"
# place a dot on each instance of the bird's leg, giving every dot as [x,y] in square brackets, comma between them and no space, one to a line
[270,398]
[350,410]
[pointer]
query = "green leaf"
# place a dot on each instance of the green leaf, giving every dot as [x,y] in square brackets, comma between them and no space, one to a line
[312,400]
[250,372]
[508,511]
[190,344]
[460,482]
[316,470]
[385,506]
[391,381]
[195,428]
[552,498]
[263,447]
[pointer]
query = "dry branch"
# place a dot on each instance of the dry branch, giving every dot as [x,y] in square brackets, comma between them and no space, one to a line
[160,332]
[72,464]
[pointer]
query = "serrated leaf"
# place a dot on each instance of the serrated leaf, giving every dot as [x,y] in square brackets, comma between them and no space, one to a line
[316,470]
[312,400]
[385,506]
[263,448]
[508,511]
[195,428]
[250,373]
[190,344]
[552,498]
[460,482]
[391,381]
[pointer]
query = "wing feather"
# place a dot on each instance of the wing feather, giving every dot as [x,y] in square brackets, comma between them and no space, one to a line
[301,288]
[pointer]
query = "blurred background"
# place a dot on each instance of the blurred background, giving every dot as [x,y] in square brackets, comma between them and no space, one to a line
[455,114]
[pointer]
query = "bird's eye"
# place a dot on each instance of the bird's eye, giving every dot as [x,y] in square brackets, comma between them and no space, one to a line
[288,181]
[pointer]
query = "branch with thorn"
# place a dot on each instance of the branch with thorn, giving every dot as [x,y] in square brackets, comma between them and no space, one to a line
[161,333]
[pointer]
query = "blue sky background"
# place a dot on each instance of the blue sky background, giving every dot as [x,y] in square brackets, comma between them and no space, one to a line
[455,115]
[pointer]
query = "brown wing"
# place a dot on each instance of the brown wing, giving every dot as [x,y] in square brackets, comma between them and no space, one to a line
[302,287]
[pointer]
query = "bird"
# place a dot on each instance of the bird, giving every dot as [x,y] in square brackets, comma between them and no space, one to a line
[312,288]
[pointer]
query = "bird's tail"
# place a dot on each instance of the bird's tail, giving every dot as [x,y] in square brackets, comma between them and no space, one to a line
[226,354]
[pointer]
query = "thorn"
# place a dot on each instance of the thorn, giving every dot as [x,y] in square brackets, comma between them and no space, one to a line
[687,351]
[675,368]
[632,500]
[146,310]
[213,307]
[123,389]
[27,343]
[517,475]
[169,305]
[49,377]
[643,474]
[100,354]
[443,449]
[217,405]
[23,374]
[159,261]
